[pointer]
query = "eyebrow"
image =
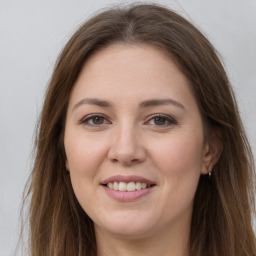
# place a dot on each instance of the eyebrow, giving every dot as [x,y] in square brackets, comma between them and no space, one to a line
[92,101]
[143,104]
[158,102]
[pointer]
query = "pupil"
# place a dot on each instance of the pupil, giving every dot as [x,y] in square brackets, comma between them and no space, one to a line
[159,120]
[98,120]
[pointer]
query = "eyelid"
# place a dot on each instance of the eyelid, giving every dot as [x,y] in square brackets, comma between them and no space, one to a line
[91,116]
[170,119]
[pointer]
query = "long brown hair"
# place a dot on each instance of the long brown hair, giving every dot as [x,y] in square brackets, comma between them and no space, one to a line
[223,205]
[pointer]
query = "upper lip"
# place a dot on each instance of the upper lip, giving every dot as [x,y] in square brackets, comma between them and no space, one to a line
[121,178]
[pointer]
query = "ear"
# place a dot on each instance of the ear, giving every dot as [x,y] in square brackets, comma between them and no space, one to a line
[211,152]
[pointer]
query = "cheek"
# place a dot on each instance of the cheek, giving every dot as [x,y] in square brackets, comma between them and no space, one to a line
[84,159]
[180,154]
[84,154]
[180,163]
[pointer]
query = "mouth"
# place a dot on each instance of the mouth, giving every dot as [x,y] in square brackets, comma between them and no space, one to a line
[128,186]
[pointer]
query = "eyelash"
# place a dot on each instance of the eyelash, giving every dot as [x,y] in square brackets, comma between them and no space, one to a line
[89,118]
[168,121]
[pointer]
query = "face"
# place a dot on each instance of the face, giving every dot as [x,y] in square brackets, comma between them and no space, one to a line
[134,142]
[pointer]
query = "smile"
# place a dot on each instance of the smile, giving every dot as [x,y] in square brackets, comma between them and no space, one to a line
[130,186]
[127,188]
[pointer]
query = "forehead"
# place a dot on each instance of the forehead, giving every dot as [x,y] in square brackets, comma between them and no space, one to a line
[134,71]
[139,58]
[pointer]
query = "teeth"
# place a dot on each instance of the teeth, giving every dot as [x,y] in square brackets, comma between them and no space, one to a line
[110,185]
[143,185]
[122,186]
[130,186]
[115,185]
[138,185]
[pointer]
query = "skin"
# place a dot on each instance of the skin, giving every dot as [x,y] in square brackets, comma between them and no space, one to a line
[128,139]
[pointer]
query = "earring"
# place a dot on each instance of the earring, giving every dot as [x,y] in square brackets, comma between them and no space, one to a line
[210,172]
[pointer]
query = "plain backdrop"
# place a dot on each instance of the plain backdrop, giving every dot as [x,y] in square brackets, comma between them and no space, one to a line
[32,34]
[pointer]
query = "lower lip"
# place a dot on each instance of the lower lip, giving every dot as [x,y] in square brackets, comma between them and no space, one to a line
[124,196]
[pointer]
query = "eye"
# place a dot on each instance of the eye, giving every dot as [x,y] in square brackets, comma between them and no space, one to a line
[94,120]
[161,120]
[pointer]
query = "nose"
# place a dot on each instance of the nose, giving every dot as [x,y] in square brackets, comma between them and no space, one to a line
[127,148]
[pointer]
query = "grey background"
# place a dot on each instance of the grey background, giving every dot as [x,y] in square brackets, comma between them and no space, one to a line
[32,33]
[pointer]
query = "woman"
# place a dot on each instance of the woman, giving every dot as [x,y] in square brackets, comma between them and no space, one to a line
[141,150]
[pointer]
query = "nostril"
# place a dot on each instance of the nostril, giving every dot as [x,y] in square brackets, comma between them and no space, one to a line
[126,150]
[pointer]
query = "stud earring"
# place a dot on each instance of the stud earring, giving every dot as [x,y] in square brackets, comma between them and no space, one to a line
[210,172]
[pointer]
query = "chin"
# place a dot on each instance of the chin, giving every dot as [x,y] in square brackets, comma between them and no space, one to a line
[126,226]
